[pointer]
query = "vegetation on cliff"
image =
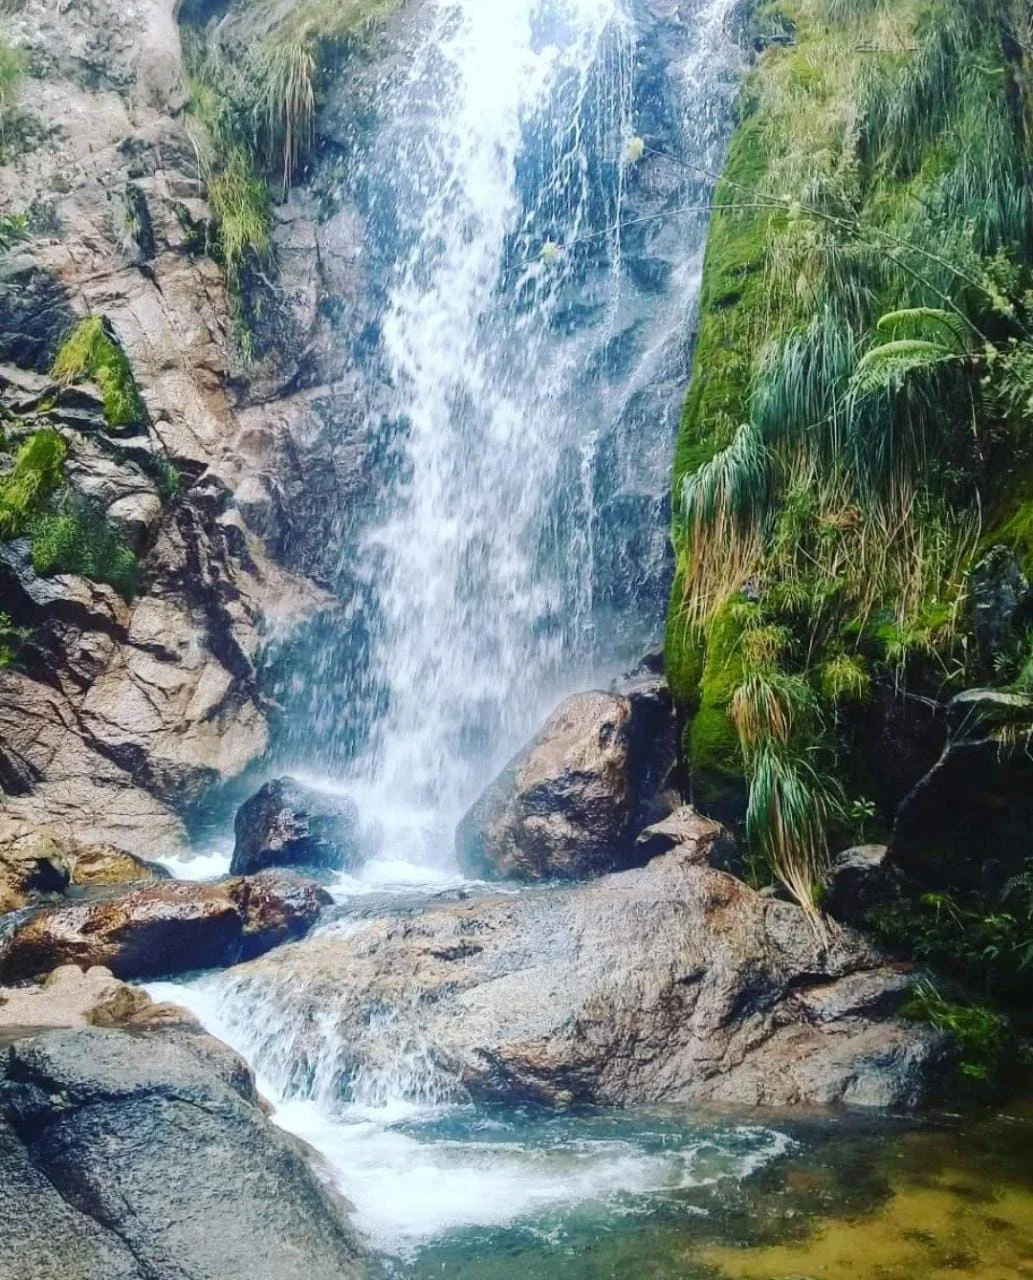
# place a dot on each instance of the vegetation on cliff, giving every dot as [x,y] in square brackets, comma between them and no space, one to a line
[858,428]
[855,458]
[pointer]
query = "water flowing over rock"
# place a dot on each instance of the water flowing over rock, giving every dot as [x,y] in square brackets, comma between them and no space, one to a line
[285,824]
[669,983]
[571,802]
[132,1157]
[166,928]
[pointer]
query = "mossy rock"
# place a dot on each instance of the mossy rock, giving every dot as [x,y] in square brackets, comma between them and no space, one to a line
[711,741]
[90,353]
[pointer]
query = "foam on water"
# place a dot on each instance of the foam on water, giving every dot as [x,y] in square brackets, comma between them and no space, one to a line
[418,1170]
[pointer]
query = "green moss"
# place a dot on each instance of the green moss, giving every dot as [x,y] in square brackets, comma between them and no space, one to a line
[684,650]
[76,539]
[712,743]
[91,354]
[37,471]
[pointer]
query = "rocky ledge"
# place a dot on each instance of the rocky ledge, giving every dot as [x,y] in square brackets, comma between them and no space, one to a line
[671,983]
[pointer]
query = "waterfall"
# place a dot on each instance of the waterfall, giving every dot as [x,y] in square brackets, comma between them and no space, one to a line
[534,186]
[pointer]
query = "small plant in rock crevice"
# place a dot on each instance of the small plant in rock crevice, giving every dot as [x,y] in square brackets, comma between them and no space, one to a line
[90,353]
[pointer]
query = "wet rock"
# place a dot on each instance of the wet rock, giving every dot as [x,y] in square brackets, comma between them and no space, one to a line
[685,830]
[102,864]
[68,997]
[966,824]
[570,804]
[673,982]
[169,927]
[285,824]
[129,1157]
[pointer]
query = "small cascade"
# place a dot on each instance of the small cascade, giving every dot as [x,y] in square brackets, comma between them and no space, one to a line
[535,202]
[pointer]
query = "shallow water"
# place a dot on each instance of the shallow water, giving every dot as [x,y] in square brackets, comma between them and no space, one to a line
[476,1193]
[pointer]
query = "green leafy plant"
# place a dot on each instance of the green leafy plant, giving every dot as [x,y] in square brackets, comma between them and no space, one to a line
[12,640]
[12,69]
[90,353]
[36,472]
[77,539]
[980,1032]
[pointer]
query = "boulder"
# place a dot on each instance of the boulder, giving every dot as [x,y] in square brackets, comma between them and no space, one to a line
[966,824]
[570,804]
[68,997]
[129,1157]
[168,927]
[285,824]
[859,880]
[670,983]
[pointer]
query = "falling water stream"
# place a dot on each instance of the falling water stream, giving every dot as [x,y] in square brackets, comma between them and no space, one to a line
[535,190]
[535,195]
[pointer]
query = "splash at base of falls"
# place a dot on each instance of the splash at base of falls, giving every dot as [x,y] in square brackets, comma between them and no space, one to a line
[418,1172]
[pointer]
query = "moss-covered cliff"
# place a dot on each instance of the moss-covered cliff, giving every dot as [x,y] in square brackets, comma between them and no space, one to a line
[854,478]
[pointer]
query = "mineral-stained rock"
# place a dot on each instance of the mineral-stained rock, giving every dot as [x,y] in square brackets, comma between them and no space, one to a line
[103,864]
[570,803]
[68,997]
[146,1155]
[668,983]
[683,829]
[285,824]
[168,927]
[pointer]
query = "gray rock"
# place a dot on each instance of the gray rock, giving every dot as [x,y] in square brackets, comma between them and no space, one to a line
[285,824]
[679,830]
[133,1157]
[570,804]
[860,879]
[670,983]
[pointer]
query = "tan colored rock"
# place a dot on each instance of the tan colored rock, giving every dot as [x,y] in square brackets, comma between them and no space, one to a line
[69,997]
[101,864]
[32,862]
[169,927]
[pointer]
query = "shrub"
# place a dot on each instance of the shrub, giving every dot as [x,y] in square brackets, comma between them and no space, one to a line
[90,353]
[38,470]
[77,539]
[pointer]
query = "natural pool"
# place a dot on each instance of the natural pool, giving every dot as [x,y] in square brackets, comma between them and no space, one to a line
[816,1198]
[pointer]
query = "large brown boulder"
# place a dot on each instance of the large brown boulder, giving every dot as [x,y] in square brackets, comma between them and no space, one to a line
[286,824]
[674,982]
[570,804]
[146,1155]
[169,927]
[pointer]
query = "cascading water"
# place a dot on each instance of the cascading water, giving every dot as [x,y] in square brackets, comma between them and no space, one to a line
[533,198]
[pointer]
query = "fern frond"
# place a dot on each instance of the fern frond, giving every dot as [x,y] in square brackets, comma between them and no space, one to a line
[886,367]
[932,323]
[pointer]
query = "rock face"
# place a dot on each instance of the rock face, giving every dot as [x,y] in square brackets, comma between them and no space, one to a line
[132,1157]
[669,983]
[967,822]
[285,824]
[169,927]
[32,863]
[860,879]
[118,714]
[570,804]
